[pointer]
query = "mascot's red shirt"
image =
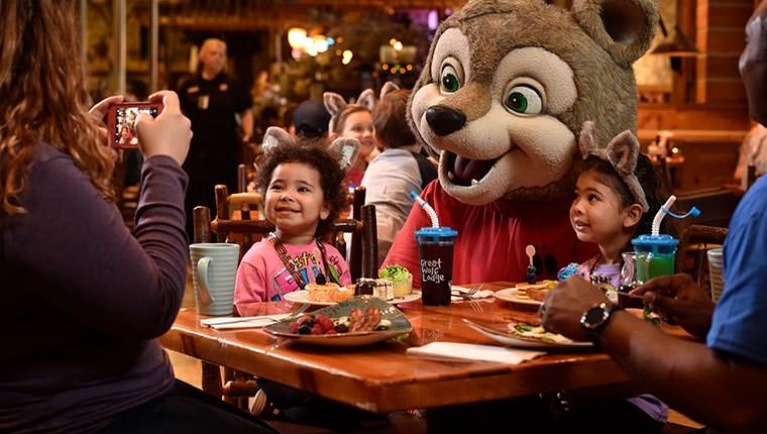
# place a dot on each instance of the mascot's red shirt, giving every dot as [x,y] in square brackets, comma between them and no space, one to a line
[492,238]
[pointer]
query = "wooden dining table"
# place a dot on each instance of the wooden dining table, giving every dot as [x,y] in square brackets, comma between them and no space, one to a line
[382,378]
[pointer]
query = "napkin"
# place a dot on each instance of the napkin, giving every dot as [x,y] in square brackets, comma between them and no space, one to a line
[487,353]
[243,322]
[460,291]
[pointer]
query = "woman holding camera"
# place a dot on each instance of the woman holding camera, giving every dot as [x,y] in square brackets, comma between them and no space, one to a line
[84,299]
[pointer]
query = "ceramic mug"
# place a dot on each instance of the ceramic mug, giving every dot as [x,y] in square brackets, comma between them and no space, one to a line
[214,267]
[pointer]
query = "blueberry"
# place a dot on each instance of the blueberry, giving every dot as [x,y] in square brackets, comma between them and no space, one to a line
[306,328]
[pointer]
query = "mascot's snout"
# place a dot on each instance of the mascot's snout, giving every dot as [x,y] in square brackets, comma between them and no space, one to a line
[444,120]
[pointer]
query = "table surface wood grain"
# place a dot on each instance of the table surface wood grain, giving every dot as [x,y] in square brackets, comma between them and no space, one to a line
[382,378]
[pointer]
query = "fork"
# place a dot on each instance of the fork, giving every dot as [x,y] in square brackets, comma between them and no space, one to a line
[470,293]
[292,316]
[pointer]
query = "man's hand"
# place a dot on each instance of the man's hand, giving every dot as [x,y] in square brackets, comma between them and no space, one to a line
[678,296]
[565,304]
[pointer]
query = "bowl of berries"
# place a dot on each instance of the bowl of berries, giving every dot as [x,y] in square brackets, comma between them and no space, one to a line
[361,320]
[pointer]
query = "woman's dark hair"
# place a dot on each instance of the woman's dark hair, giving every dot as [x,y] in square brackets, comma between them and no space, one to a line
[648,177]
[331,175]
[390,120]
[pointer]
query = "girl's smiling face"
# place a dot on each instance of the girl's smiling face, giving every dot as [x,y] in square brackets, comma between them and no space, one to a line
[295,202]
[359,125]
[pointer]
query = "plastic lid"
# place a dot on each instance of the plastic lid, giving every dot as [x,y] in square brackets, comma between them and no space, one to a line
[440,232]
[655,240]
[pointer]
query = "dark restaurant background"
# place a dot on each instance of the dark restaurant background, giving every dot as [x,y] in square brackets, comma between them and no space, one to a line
[142,45]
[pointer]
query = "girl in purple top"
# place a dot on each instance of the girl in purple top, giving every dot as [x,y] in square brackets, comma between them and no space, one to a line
[617,194]
[83,298]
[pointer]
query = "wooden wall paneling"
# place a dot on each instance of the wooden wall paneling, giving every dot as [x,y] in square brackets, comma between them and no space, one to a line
[720,36]
[706,165]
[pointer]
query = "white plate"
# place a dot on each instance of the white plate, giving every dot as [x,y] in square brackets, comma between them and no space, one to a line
[300,297]
[510,295]
[518,341]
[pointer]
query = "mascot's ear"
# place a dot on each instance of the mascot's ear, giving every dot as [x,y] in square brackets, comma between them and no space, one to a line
[276,136]
[367,99]
[345,151]
[388,87]
[624,28]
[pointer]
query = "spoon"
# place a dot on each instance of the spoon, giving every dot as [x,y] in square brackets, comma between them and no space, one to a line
[531,275]
[530,251]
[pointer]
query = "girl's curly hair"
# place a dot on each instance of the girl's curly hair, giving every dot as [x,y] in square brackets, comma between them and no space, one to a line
[331,176]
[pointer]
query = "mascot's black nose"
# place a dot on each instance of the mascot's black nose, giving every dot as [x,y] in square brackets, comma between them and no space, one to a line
[444,120]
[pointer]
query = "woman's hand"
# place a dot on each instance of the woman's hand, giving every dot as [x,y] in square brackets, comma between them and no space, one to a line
[678,296]
[98,112]
[564,305]
[167,134]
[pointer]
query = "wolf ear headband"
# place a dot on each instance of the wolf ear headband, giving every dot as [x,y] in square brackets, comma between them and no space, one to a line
[622,153]
[344,150]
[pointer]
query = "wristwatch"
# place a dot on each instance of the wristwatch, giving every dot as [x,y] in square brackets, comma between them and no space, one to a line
[596,318]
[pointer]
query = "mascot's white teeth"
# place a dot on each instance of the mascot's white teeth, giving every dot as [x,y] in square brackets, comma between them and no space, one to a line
[465,171]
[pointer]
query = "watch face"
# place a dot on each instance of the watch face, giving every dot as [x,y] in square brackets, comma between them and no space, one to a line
[594,317]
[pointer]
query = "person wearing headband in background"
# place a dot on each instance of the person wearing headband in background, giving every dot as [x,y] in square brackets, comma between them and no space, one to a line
[719,379]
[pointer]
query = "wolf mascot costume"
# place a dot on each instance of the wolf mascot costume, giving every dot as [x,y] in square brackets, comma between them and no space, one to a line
[506,89]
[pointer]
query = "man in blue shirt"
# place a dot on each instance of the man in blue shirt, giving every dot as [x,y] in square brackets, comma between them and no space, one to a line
[721,382]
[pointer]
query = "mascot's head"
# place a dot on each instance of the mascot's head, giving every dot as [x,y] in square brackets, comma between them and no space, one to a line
[508,85]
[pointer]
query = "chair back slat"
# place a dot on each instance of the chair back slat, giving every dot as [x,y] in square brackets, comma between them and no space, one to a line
[355,249]
[242,178]
[201,224]
[695,241]
[369,242]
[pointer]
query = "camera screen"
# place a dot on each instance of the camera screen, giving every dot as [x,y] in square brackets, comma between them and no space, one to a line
[125,119]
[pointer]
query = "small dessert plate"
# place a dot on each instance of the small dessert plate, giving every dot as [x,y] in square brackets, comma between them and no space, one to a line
[510,295]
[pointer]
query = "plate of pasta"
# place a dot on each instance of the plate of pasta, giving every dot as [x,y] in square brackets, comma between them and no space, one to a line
[524,335]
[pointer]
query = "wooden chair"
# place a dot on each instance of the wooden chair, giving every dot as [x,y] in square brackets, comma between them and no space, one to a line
[716,205]
[363,230]
[236,386]
[694,242]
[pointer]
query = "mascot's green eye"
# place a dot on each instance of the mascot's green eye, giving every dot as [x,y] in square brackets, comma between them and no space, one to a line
[450,83]
[524,100]
[451,76]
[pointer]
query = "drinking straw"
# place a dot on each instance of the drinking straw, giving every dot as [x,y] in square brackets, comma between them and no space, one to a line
[666,209]
[660,214]
[426,207]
